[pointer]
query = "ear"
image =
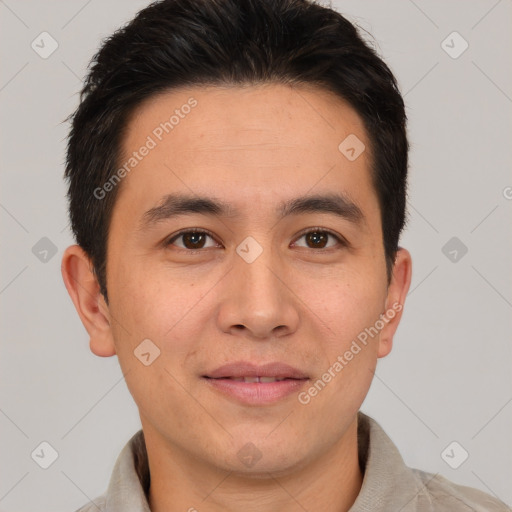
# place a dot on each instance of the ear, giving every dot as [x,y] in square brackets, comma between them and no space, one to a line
[84,290]
[397,292]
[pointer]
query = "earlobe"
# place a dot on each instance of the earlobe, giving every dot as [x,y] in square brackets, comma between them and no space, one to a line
[397,293]
[83,288]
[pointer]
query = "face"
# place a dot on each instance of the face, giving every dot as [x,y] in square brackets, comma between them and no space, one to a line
[243,236]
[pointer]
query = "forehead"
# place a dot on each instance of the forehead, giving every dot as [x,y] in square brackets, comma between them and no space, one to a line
[232,116]
[245,143]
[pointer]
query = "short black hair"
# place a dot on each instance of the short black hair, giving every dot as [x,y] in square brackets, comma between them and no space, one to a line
[180,43]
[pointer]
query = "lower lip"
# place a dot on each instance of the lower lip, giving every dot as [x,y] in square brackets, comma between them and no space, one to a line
[257,393]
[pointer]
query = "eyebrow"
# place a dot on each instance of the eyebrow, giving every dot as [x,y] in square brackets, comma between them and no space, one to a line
[174,205]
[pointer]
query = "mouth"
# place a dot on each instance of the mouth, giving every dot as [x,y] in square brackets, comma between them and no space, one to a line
[256,385]
[259,378]
[246,371]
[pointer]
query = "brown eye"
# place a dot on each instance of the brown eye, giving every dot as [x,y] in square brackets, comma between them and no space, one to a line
[319,239]
[192,240]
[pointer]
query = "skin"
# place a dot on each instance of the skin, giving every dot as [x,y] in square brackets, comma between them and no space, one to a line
[252,147]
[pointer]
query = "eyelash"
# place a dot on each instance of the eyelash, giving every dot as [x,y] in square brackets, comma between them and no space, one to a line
[341,241]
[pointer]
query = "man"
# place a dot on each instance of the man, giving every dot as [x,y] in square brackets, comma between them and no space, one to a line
[237,183]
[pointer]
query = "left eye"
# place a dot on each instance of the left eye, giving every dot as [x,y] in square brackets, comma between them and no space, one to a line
[192,240]
[318,239]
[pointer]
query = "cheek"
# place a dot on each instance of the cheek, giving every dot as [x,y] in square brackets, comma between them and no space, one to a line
[145,305]
[349,311]
[153,316]
[346,302]
[350,345]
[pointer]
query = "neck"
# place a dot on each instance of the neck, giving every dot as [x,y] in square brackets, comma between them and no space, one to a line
[331,482]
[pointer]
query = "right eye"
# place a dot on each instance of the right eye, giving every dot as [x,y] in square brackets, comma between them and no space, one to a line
[191,240]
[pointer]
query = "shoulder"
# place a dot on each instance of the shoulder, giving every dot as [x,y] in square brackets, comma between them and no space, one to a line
[446,496]
[389,481]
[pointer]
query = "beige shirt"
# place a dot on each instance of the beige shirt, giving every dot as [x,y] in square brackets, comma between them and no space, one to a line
[388,484]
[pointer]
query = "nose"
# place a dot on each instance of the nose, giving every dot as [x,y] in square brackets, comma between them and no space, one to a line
[257,299]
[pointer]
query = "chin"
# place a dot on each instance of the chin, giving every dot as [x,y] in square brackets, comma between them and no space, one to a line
[261,456]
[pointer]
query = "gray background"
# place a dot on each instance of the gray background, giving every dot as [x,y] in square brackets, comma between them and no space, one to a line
[448,377]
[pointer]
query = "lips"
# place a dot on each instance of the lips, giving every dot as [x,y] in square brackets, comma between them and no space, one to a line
[243,371]
[257,379]
[256,385]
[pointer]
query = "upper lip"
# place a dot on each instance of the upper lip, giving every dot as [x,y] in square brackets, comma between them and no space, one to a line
[247,369]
